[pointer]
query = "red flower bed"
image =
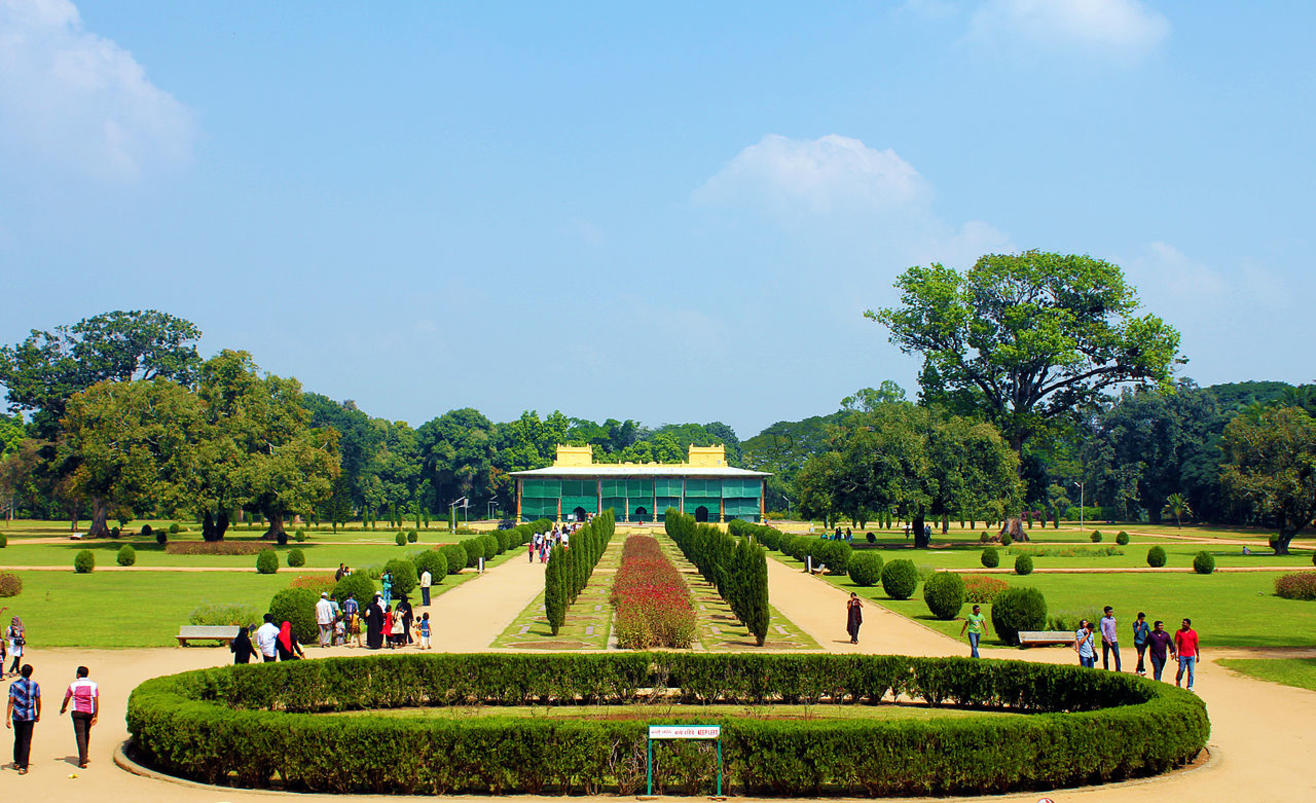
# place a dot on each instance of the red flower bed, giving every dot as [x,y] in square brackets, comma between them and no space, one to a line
[652,603]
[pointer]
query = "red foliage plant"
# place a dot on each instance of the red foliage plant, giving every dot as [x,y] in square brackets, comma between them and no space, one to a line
[651,600]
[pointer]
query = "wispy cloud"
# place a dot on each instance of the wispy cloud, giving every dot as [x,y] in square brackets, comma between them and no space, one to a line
[79,100]
[1121,29]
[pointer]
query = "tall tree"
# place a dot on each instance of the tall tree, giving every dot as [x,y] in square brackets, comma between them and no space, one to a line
[1023,339]
[1272,467]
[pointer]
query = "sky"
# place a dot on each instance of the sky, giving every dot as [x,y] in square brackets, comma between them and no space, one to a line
[673,213]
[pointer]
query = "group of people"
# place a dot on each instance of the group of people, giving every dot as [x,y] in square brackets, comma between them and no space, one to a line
[23,712]
[542,544]
[1152,642]
[846,536]
[11,646]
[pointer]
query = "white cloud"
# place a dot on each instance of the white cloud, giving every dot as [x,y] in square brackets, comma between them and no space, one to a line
[79,100]
[1125,29]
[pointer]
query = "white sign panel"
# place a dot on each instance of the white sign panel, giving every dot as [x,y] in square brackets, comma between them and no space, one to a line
[685,731]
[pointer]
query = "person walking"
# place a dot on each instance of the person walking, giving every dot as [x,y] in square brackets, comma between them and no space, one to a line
[287,646]
[425,580]
[352,621]
[386,587]
[1110,641]
[976,625]
[854,617]
[324,619]
[16,635]
[375,620]
[241,646]
[423,628]
[1185,644]
[22,713]
[1083,645]
[1159,644]
[86,697]
[1140,632]
[267,637]
[403,611]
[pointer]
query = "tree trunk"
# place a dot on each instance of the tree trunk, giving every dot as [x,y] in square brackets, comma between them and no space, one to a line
[276,526]
[921,540]
[1015,527]
[100,510]
[213,527]
[1281,542]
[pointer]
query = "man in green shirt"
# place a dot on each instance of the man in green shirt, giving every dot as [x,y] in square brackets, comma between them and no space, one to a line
[976,624]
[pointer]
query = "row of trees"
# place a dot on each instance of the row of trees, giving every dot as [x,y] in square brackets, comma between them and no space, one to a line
[736,566]
[569,568]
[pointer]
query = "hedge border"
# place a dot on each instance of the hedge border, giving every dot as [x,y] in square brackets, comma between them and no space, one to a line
[248,724]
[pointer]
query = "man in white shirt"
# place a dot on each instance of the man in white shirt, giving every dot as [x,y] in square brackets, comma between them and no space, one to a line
[324,617]
[266,636]
[425,580]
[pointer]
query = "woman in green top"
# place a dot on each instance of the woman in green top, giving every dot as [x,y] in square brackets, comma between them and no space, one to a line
[976,624]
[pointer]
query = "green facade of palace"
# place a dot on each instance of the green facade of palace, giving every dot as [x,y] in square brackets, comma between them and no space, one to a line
[641,498]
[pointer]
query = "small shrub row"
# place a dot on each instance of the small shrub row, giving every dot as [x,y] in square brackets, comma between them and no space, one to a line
[215,547]
[652,603]
[736,566]
[1301,585]
[569,568]
[11,585]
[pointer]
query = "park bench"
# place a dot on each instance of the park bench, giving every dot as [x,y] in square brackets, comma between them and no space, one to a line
[222,633]
[1038,638]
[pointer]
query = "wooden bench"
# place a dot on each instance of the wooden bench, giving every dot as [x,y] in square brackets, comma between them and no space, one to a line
[1039,638]
[220,633]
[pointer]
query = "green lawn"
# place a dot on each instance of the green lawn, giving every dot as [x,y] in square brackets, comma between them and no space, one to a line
[1298,672]
[149,553]
[1068,532]
[1087,555]
[1228,610]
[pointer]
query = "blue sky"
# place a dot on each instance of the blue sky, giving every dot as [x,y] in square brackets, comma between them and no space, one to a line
[672,214]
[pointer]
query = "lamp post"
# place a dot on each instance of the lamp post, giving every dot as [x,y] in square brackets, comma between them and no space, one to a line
[1081,509]
[491,504]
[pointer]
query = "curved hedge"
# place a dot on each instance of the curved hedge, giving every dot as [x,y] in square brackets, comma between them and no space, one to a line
[259,725]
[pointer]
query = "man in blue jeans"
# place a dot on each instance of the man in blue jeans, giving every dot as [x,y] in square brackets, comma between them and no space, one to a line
[22,713]
[1083,644]
[1110,640]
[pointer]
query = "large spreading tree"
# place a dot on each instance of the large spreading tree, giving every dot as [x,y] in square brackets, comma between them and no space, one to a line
[1026,339]
[1272,467]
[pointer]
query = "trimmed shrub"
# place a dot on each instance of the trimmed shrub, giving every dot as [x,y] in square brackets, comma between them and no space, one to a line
[1006,539]
[1156,557]
[474,551]
[985,537]
[1096,536]
[160,537]
[1301,585]
[1018,609]
[944,594]
[980,589]
[490,545]
[990,557]
[84,562]
[899,579]
[215,548]
[357,586]
[737,567]
[456,556]
[434,561]
[297,606]
[300,535]
[174,528]
[1023,564]
[267,562]
[11,585]
[400,539]
[872,539]
[296,558]
[146,530]
[1203,562]
[224,614]
[404,576]
[835,555]
[412,536]
[501,537]
[1122,538]
[127,555]
[866,569]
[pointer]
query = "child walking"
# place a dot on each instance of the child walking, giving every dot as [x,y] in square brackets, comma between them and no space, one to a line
[423,628]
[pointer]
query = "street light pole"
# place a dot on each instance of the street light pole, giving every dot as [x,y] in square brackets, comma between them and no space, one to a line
[1081,505]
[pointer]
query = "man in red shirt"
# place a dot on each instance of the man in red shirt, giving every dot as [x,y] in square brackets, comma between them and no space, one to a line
[1185,643]
[86,697]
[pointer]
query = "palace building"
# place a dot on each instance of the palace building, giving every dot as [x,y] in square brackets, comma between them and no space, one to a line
[704,487]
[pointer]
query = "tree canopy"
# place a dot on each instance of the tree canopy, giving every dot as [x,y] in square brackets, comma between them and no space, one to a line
[1272,466]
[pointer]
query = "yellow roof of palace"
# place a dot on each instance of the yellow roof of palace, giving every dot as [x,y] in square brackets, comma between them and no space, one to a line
[578,461]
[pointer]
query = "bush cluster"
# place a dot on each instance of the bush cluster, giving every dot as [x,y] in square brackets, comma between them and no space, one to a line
[1301,585]
[215,547]
[11,585]
[569,569]
[944,593]
[651,600]
[983,590]
[767,536]
[403,574]
[126,556]
[297,606]
[866,569]
[1203,562]
[990,557]
[1156,557]
[434,561]
[1023,564]
[267,561]
[357,586]
[736,566]
[456,557]
[1096,536]
[84,562]
[248,725]
[296,558]
[900,579]
[1018,609]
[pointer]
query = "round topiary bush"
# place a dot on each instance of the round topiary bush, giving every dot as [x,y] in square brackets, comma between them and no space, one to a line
[985,537]
[990,557]
[1018,609]
[1203,562]
[161,537]
[146,530]
[1156,557]
[1122,538]
[297,607]
[4,541]
[84,562]
[127,555]
[872,539]
[899,579]
[404,576]
[866,569]
[267,561]
[357,586]
[434,561]
[490,545]
[835,555]
[400,538]
[1096,536]
[456,555]
[412,536]
[11,585]
[944,594]
[174,528]
[1006,539]
[300,535]
[1023,564]
[296,558]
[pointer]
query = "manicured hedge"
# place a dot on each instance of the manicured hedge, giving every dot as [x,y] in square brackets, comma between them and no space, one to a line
[866,569]
[1156,557]
[737,567]
[127,555]
[456,555]
[1023,564]
[569,569]
[900,579]
[267,561]
[84,562]
[1018,609]
[1300,585]
[1203,562]
[433,560]
[944,593]
[990,558]
[247,725]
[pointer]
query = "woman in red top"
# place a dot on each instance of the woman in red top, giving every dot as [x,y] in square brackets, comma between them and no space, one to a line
[289,649]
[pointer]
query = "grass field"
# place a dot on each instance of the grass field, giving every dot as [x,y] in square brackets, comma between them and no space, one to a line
[1068,532]
[1298,672]
[888,711]
[1089,555]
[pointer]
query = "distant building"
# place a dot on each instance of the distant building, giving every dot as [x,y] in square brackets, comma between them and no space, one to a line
[704,487]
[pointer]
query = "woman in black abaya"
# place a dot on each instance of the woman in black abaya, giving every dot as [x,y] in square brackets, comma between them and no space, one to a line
[375,624]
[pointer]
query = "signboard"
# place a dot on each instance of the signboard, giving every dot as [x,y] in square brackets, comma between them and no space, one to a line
[685,731]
